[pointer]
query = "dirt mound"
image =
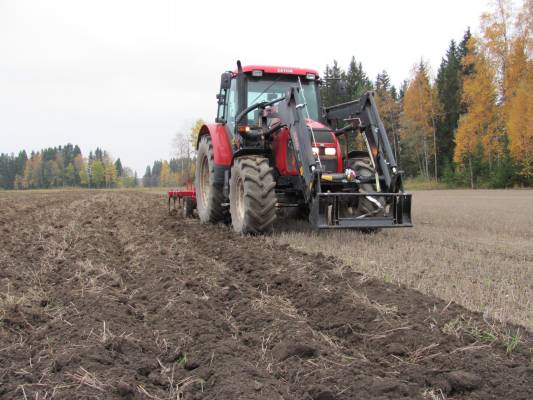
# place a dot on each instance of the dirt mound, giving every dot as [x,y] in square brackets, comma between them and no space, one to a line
[102,295]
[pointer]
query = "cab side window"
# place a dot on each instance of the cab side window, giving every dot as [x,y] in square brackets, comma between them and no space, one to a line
[232,106]
[221,112]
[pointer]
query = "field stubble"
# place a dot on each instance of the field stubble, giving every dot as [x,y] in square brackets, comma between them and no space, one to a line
[471,247]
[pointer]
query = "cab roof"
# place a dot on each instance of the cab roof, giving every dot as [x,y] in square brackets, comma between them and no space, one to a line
[271,69]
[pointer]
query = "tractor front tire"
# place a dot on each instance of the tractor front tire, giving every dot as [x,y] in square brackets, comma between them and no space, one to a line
[252,195]
[365,169]
[209,196]
[362,167]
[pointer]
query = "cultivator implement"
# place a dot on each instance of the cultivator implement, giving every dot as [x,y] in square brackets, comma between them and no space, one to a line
[184,199]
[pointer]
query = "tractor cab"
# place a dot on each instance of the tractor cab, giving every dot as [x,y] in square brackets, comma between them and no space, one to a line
[267,84]
[264,84]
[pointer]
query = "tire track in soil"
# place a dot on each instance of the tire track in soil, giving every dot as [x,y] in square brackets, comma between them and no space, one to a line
[197,312]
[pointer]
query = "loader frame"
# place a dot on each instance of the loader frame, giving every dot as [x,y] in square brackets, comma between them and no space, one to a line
[356,117]
[326,212]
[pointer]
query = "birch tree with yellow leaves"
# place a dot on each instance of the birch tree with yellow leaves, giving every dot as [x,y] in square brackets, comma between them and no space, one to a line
[518,106]
[497,95]
[478,128]
[418,120]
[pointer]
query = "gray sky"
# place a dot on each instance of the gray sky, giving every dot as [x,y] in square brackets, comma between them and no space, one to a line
[127,75]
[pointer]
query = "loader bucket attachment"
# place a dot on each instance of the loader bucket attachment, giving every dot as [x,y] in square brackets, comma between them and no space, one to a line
[335,211]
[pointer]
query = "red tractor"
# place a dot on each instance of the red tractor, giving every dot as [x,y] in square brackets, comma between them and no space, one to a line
[274,146]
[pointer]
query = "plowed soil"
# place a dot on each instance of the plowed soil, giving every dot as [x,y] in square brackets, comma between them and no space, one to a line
[103,295]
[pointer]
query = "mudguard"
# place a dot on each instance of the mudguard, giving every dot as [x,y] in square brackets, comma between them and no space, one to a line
[223,153]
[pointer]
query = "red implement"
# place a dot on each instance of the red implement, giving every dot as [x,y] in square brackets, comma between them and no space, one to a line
[186,198]
[179,194]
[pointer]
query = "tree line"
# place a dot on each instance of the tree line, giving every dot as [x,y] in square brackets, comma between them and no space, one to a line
[174,172]
[63,166]
[178,171]
[472,124]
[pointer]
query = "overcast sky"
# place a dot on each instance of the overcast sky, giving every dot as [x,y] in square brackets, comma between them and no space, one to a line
[127,75]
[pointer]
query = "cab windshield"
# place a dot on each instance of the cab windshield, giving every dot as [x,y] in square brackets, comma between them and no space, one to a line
[271,87]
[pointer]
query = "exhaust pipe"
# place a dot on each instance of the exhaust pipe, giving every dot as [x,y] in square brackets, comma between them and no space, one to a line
[242,101]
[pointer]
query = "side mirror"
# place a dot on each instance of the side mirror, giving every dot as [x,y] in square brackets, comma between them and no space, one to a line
[225,81]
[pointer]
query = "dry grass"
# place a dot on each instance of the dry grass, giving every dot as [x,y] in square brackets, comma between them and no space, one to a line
[276,304]
[84,377]
[472,247]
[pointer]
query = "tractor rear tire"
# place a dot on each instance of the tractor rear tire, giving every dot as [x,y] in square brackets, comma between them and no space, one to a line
[188,207]
[209,196]
[252,195]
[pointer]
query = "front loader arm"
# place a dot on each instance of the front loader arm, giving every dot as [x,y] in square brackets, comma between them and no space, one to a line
[290,113]
[325,207]
[362,115]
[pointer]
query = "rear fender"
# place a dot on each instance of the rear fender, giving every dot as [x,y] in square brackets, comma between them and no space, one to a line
[223,153]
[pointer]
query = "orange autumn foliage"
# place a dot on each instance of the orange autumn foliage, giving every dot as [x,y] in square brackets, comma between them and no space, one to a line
[479,126]
[419,107]
[518,108]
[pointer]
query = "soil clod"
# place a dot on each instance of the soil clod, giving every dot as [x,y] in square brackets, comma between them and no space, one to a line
[286,350]
[461,381]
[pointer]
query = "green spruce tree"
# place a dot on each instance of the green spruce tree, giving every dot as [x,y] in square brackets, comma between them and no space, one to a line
[449,95]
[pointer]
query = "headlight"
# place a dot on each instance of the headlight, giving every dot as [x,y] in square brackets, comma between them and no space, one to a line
[315,151]
[330,151]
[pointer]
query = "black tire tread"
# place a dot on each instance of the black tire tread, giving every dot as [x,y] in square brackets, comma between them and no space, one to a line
[215,212]
[360,165]
[188,207]
[259,193]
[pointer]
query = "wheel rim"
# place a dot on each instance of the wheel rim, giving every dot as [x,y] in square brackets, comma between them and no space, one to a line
[240,200]
[204,181]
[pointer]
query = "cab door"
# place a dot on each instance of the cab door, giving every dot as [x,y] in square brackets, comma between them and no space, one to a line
[227,104]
